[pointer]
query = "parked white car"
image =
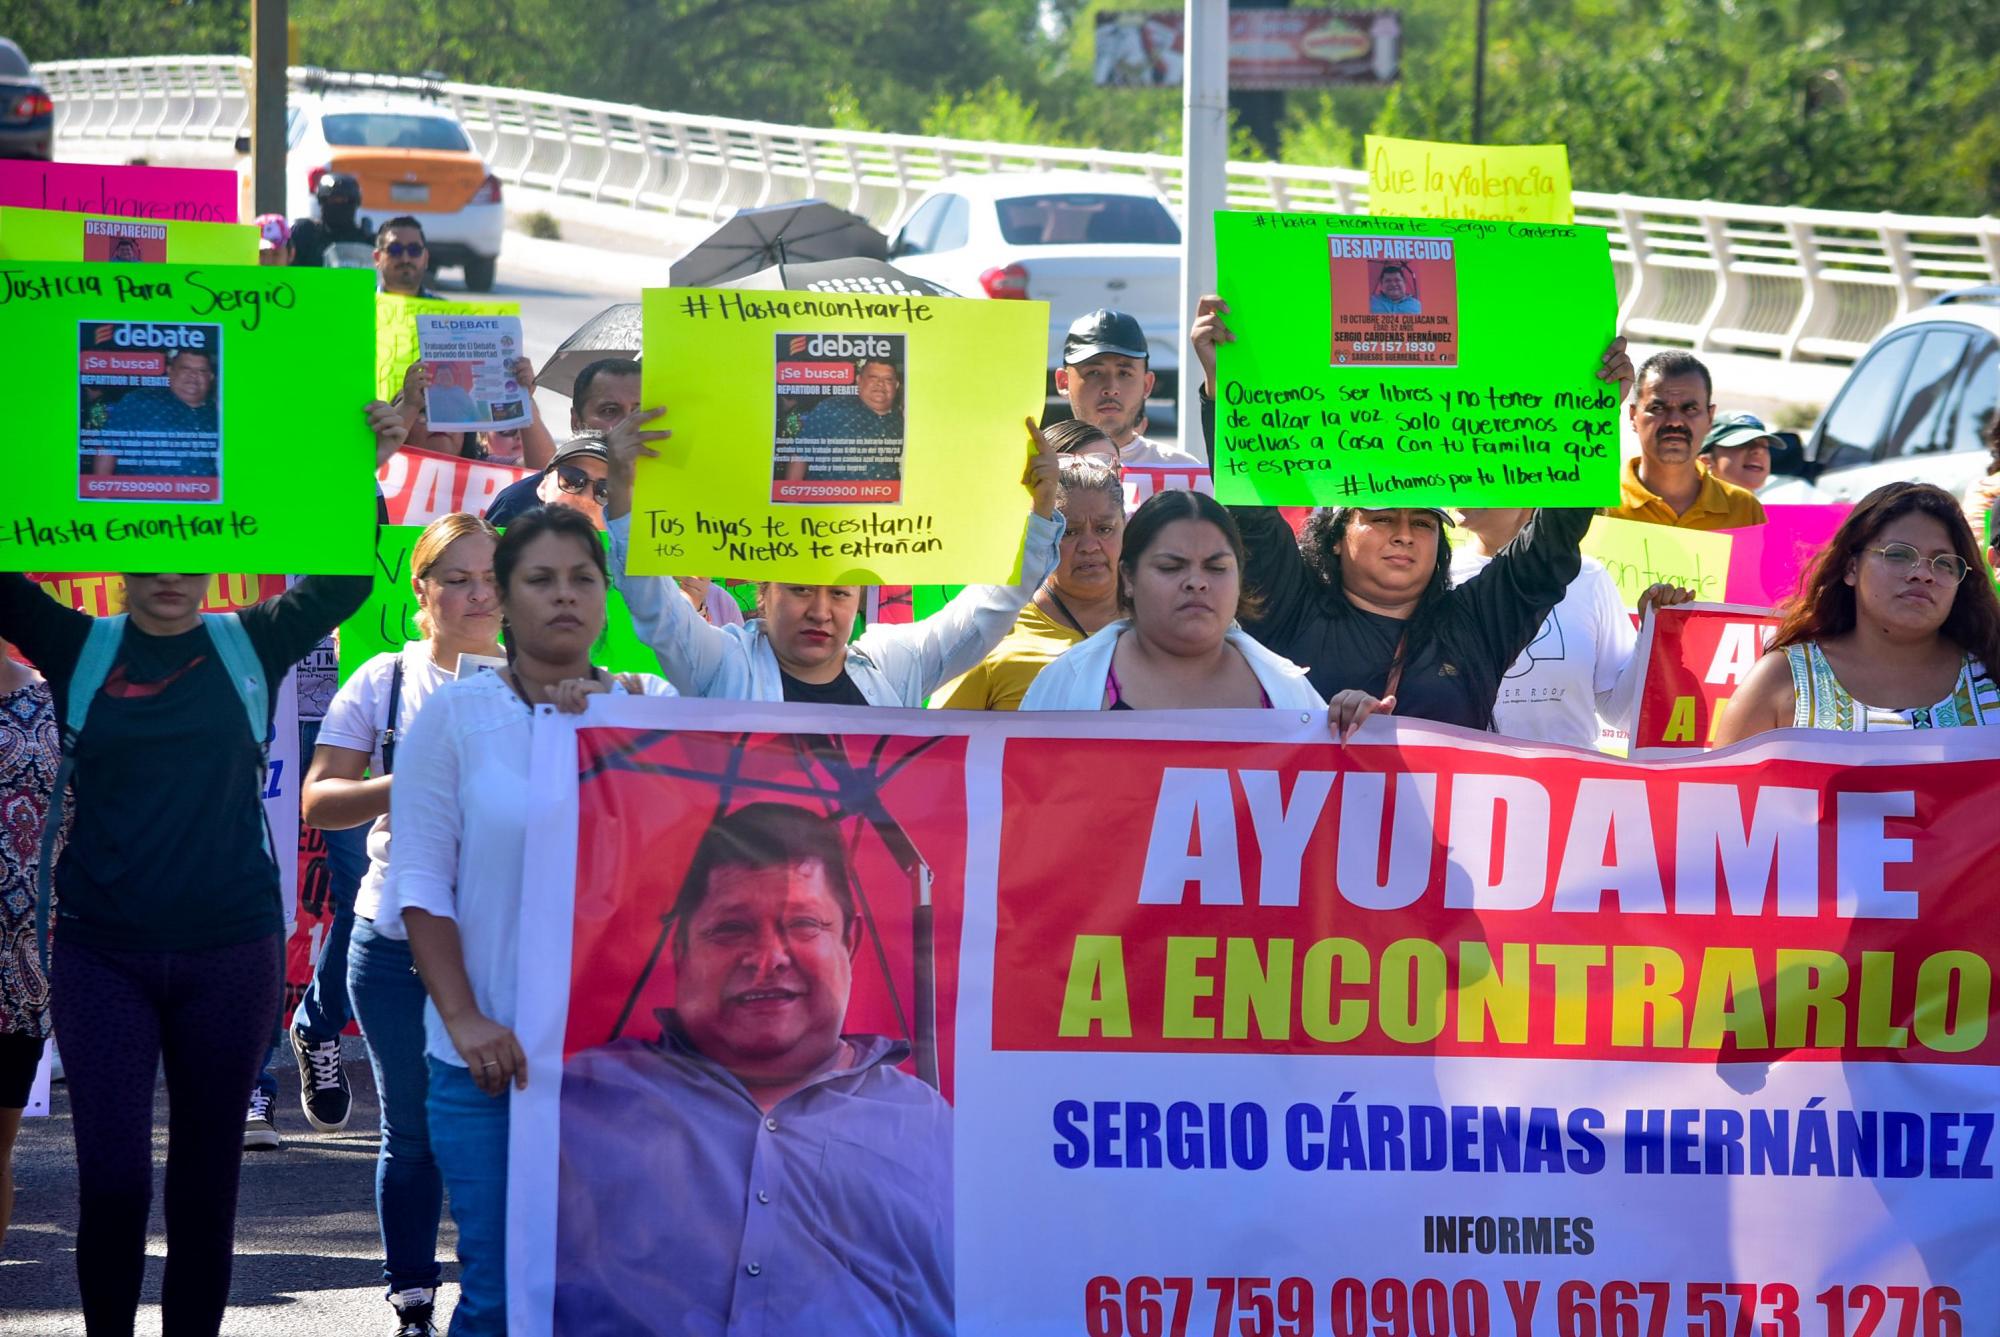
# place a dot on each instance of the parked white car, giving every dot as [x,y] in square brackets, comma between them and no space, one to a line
[410,155]
[1076,240]
[1915,407]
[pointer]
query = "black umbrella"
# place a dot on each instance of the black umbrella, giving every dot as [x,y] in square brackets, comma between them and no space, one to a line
[755,239]
[856,275]
[612,332]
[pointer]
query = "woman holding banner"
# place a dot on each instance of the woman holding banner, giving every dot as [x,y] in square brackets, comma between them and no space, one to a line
[170,945]
[801,646]
[1180,581]
[1364,597]
[1894,627]
[458,612]
[1079,598]
[459,808]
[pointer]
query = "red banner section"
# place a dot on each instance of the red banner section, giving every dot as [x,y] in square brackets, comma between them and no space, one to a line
[101,594]
[1696,656]
[421,485]
[1434,899]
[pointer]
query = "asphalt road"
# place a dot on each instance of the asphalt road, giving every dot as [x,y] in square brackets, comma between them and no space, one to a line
[308,1259]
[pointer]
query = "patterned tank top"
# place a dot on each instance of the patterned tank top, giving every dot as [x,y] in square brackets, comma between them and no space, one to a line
[1822,703]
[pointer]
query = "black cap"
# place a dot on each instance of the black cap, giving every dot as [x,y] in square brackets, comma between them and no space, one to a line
[1732,430]
[1103,331]
[338,186]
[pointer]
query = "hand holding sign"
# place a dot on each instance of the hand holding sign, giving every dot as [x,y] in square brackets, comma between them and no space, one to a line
[625,444]
[1616,368]
[1043,478]
[389,428]
[1208,330]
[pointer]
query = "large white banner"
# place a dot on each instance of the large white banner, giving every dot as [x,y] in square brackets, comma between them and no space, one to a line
[1231,1030]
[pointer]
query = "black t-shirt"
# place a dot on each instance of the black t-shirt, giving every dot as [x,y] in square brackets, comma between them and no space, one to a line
[840,692]
[167,848]
[513,500]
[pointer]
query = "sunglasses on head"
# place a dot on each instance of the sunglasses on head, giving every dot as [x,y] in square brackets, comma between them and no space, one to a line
[396,250]
[575,481]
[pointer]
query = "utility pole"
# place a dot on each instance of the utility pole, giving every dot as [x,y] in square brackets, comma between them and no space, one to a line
[269,47]
[1204,178]
[1479,78]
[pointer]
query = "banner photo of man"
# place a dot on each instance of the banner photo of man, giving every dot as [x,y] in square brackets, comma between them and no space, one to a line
[840,419]
[149,411]
[1426,1024]
[1395,301]
[754,1079]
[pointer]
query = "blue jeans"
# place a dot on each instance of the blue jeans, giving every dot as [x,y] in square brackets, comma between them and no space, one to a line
[471,1147]
[388,1001]
[323,1012]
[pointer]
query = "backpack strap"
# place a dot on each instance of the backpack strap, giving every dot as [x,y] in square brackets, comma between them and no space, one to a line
[246,675]
[93,666]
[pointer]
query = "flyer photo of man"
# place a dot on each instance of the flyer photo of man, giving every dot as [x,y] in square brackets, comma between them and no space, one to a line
[835,433]
[754,1159]
[1395,291]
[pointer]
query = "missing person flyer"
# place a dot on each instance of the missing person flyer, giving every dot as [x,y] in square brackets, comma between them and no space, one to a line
[1395,301]
[839,419]
[471,360]
[149,426]
[124,239]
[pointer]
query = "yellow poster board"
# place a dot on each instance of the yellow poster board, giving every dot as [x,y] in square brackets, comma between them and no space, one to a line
[1416,178]
[837,438]
[1639,556]
[396,331]
[49,234]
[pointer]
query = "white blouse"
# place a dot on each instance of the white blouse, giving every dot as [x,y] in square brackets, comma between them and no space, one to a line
[459,808]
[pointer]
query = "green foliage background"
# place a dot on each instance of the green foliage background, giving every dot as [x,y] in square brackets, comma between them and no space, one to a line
[1852,104]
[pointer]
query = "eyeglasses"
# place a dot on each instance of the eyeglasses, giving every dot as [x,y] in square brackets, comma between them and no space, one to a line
[1901,559]
[574,480]
[396,250]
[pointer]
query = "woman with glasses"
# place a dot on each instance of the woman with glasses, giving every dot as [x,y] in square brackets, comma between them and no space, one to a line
[1887,632]
[576,478]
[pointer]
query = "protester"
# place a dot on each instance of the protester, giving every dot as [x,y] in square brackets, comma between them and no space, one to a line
[1892,628]
[170,929]
[274,240]
[29,756]
[797,648]
[314,240]
[1106,376]
[1364,597]
[1578,674]
[575,477]
[1664,484]
[1738,450]
[458,612]
[1072,436]
[402,257]
[668,1150]
[459,810]
[1079,598]
[605,393]
[1180,584]
[537,446]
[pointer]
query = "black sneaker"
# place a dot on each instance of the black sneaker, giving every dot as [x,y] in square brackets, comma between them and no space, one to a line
[259,1133]
[413,1312]
[323,1092]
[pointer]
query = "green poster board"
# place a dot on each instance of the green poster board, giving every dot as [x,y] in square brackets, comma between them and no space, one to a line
[388,621]
[49,234]
[1414,362]
[189,418]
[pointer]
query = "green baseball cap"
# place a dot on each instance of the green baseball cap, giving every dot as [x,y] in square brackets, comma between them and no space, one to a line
[1738,429]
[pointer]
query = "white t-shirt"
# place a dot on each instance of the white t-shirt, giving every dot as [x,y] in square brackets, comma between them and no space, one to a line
[1140,450]
[1578,667]
[355,719]
[460,802]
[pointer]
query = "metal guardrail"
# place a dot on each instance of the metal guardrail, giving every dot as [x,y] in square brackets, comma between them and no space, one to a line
[1806,285]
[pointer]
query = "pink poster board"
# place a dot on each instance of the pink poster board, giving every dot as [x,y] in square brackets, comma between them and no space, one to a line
[188,194]
[1767,560]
